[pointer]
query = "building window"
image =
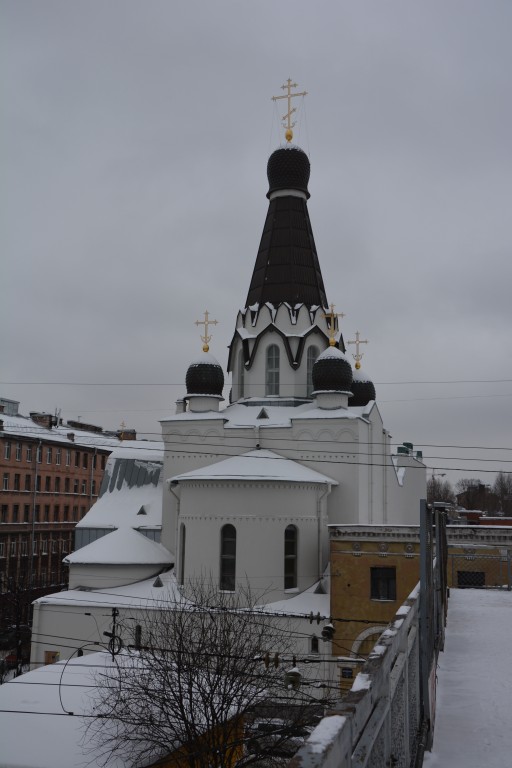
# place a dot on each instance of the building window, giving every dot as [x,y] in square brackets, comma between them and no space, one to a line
[77,458]
[93,487]
[241,374]
[314,646]
[56,512]
[75,512]
[7,450]
[383,583]
[13,549]
[24,548]
[44,546]
[290,557]
[82,512]
[66,511]
[272,370]
[183,535]
[68,457]
[34,547]
[85,460]
[312,355]
[15,512]
[94,461]
[36,513]
[3,513]
[2,549]
[84,487]
[57,484]
[26,513]
[38,483]
[58,453]
[46,513]
[28,482]
[76,485]
[18,451]
[29,453]
[5,484]
[228,557]
[66,484]
[47,483]
[54,547]
[16,482]
[49,455]
[39,456]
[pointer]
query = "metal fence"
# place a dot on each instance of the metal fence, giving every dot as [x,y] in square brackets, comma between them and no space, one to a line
[475,568]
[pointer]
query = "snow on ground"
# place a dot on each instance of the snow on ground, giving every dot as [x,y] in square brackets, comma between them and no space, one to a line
[474,693]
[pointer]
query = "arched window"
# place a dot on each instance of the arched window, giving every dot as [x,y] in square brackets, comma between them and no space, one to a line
[313,353]
[272,370]
[241,374]
[227,558]
[290,557]
[314,644]
[183,536]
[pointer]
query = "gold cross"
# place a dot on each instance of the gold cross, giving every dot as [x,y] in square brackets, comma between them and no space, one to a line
[289,95]
[206,322]
[358,355]
[332,315]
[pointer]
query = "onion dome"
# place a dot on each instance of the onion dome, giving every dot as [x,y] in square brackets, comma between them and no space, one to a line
[288,168]
[332,372]
[363,389]
[205,376]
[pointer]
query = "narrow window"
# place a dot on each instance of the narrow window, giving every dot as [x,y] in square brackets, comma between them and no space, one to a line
[77,458]
[15,512]
[39,454]
[6,481]
[85,460]
[16,482]
[57,484]
[58,454]
[26,513]
[383,583]
[84,487]
[68,457]
[314,644]
[227,558]
[29,453]
[28,482]
[7,450]
[18,451]
[290,557]
[183,534]
[38,484]
[241,374]
[272,370]
[48,455]
[47,483]
[313,353]
[66,484]
[76,485]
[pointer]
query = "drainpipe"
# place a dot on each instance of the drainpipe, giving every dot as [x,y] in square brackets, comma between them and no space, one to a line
[176,495]
[34,499]
[93,464]
[319,500]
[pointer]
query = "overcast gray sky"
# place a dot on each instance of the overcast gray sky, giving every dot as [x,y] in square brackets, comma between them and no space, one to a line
[134,143]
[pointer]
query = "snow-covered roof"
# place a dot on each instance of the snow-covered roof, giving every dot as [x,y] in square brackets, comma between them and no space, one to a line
[142,594]
[23,426]
[257,465]
[121,508]
[121,547]
[305,603]
[36,726]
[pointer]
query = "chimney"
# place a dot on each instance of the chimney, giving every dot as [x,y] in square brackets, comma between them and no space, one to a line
[43,419]
[71,436]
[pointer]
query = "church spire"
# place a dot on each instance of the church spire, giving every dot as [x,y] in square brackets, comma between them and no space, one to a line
[287,269]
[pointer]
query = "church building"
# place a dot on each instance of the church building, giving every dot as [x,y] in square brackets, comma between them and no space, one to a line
[249,487]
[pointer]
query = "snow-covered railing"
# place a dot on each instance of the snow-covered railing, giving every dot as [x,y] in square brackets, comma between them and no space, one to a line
[378,722]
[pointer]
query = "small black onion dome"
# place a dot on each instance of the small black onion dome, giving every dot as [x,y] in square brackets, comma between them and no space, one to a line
[205,376]
[332,372]
[363,389]
[288,168]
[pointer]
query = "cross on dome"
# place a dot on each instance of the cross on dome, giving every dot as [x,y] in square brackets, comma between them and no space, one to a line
[331,316]
[206,322]
[358,355]
[287,123]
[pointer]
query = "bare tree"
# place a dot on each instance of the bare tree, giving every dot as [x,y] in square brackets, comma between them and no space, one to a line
[207,680]
[503,489]
[439,490]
